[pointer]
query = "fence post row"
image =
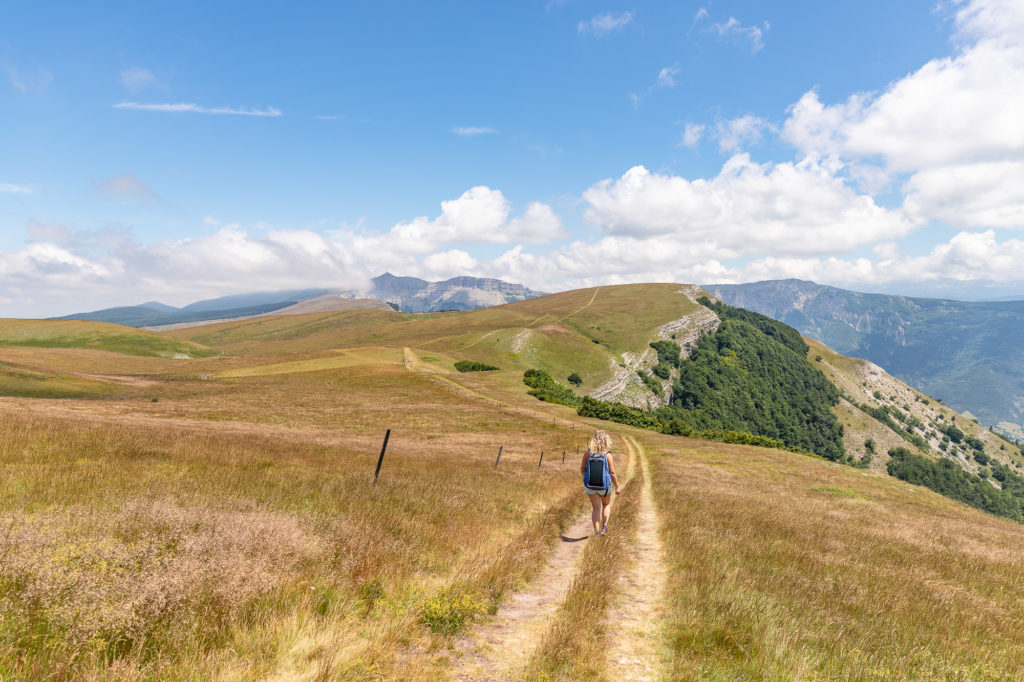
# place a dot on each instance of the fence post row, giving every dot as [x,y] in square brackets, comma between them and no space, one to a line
[500,448]
[380,460]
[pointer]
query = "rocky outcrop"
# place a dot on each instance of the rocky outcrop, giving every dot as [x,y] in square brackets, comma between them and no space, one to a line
[625,385]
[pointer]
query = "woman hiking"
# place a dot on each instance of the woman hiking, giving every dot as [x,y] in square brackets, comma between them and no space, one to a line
[598,472]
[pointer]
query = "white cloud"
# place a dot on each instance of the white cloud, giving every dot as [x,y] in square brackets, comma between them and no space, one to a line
[954,126]
[753,35]
[48,232]
[470,131]
[666,79]
[480,215]
[967,257]
[183,107]
[35,81]
[603,24]
[8,188]
[667,76]
[738,132]
[138,78]
[692,135]
[126,186]
[988,193]
[747,208]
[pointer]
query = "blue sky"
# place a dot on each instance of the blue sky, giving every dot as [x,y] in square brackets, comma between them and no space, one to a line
[185,150]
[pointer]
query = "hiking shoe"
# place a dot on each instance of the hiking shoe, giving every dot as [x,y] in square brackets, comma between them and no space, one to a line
[597,534]
[604,531]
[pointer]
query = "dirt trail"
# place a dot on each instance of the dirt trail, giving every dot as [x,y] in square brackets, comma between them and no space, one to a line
[500,647]
[634,641]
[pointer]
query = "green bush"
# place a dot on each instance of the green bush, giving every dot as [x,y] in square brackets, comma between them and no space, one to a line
[575,379]
[469,366]
[547,389]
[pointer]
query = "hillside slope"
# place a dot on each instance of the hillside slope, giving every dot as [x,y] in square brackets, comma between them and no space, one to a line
[217,517]
[969,353]
[96,336]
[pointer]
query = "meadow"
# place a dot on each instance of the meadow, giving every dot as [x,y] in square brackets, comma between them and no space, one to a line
[216,518]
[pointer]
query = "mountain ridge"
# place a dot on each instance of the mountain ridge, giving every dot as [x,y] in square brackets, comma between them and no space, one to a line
[410,294]
[970,353]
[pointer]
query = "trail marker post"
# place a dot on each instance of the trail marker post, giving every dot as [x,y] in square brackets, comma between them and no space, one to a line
[541,459]
[380,460]
[500,448]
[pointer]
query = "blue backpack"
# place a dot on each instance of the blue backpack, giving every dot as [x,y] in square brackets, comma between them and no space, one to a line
[597,475]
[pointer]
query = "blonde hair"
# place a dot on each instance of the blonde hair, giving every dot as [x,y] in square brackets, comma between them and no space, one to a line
[600,442]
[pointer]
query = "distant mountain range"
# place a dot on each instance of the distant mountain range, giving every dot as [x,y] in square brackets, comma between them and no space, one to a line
[971,354]
[408,294]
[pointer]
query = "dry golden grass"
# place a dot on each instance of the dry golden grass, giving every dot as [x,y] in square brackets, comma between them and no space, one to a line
[793,568]
[230,529]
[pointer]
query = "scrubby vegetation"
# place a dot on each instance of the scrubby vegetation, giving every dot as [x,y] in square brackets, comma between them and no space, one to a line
[948,478]
[544,387]
[470,366]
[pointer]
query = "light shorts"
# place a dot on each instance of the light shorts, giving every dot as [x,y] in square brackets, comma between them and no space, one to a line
[601,492]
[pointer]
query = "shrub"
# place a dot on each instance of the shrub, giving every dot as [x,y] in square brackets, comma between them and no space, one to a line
[469,366]
[869,445]
[547,389]
[448,612]
[575,379]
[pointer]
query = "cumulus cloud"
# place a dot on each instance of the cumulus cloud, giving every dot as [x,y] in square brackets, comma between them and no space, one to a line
[967,257]
[60,265]
[952,128]
[747,208]
[138,78]
[184,107]
[602,24]
[480,215]
[471,131]
[126,186]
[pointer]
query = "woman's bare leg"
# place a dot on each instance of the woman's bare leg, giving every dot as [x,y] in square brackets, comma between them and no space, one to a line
[595,512]
[606,510]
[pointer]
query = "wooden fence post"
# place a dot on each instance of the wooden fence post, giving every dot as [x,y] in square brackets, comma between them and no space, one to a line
[563,456]
[541,459]
[380,460]
[500,448]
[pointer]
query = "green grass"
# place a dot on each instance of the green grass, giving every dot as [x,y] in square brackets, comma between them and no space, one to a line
[96,336]
[24,383]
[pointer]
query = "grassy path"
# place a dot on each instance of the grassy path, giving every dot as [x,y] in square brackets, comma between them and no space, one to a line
[635,647]
[549,631]
[500,647]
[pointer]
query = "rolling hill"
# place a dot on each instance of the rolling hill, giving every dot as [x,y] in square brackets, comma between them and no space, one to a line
[971,354]
[217,517]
